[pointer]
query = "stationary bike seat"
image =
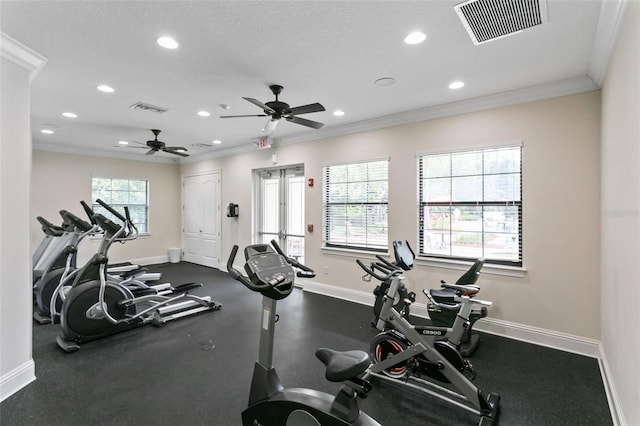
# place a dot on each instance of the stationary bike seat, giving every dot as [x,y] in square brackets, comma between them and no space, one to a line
[343,366]
[442,296]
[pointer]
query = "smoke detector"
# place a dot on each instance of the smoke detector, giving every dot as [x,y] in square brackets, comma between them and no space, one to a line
[488,20]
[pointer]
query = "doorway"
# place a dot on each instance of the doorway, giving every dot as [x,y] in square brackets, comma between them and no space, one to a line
[280,208]
[201,219]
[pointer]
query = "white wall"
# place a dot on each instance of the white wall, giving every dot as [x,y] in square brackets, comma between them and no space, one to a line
[561,198]
[17,65]
[61,181]
[621,218]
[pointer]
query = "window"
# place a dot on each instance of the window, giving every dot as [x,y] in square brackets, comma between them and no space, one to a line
[355,203]
[470,205]
[119,193]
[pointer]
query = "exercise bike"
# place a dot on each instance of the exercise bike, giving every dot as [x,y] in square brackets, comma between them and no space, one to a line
[95,307]
[408,352]
[271,273]
[444,303]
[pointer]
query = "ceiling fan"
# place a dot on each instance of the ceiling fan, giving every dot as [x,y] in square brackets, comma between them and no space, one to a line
[155,145]
[277,110]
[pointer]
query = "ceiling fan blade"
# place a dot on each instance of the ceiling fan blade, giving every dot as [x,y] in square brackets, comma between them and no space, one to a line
[259,104]
[170,151]
[306,109]
[129,147]
[236,116]
[176,148]
[150,152]
[305,122]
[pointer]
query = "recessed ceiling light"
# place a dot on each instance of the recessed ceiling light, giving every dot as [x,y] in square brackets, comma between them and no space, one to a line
[106,89]
[46,131]
[181,150]
[415,38]
[385,81]
[70,115]
[203,114]
[216,142]
[167,42]
[123,142]
[456,85]
[338,113]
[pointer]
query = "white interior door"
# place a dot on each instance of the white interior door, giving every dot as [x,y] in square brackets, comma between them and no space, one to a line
[201,213]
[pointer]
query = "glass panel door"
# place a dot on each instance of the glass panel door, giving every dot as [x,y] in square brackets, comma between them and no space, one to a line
[281,209]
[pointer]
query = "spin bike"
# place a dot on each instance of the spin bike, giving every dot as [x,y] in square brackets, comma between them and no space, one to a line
[271,273]
[95,307]
[408,352]
[444,303]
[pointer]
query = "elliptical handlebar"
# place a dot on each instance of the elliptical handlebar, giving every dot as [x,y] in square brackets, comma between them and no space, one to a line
[89,211]
[111,210]
[76,221]
[49,228]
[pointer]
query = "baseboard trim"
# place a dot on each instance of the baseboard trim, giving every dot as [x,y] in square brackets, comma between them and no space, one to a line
[151,260]
[16,379]
[617,414]
[538,336]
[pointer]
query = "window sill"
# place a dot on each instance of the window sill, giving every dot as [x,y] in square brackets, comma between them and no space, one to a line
[459,265]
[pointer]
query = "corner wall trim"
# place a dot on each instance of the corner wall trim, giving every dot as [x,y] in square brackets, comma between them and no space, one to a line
[610,390]
[538,336]
[16,379]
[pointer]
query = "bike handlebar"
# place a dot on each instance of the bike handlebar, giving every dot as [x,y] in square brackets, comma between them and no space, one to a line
[272,284]
[304,271]
[370,271]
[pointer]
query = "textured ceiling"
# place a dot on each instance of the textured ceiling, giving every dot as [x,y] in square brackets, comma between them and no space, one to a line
[329,52]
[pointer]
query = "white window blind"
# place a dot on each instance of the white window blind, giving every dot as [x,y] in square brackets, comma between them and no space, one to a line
[355,203]
[470,205]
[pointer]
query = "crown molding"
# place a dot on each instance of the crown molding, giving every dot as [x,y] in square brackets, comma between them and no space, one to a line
[16,52]
[68,149]
[609,24]
[529,94]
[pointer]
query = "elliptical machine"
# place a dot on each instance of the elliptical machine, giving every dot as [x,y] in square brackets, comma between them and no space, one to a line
[271,273]
[95,307]
[444,303]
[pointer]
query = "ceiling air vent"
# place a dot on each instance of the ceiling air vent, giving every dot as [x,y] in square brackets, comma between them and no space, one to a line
[148,107]
[488,20]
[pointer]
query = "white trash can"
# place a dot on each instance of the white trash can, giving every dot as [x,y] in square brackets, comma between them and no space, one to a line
[174,254]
